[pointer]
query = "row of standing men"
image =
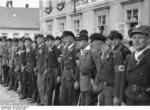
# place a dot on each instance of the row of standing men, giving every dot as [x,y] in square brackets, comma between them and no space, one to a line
[78,70]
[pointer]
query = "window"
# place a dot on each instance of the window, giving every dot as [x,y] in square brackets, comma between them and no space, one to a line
[76,26]
[62,27]
[132,15]
[101,23]
[15,35]
[4,34]
[50,28]
[101,20]
[26,34]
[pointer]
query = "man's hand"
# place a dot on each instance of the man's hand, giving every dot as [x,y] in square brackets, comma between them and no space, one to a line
[76,85]
[116,101]
[78,62]
[58,79]
[123,104]
[59,59]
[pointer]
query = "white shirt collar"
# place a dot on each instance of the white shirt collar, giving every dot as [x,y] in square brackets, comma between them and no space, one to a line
[138,53]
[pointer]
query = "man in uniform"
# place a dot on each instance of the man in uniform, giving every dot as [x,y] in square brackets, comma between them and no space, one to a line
[135,86]
[51,69]
[110,65]
[85,64]
[30,65]
[41,52]
[12,63]
[117,38]
[5,57]
[67,79]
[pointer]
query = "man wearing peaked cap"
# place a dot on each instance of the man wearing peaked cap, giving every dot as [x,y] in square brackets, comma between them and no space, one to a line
[141,29]
[135,86]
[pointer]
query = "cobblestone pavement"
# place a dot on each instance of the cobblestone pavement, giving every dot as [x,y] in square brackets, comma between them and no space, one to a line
[11,98]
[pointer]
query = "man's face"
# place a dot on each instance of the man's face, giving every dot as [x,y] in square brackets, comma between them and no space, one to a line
[81,44]
[27,43]
[96,44]
[116,41]
[34,45]
[68,40]
[8,43]
[109,42]
[40,40]
[49,43]
[20,43]
[140,41]
[57,42]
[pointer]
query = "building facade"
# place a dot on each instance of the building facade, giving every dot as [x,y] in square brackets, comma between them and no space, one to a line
[93,15]
[18,22]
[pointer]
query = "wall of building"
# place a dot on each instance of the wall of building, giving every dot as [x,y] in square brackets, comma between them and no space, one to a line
[115,11]
[11,32]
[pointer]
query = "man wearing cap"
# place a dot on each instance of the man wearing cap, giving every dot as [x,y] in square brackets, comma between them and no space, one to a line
[51,69]
[117,38]
[5,59]
[41,52]
[85,64]
[106,75]
[30,65]
[67,79]
[12,63]
[135,85]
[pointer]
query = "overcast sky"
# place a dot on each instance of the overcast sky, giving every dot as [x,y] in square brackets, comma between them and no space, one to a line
[21,3]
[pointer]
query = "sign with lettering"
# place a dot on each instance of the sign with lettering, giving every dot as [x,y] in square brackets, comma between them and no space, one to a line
[84,3]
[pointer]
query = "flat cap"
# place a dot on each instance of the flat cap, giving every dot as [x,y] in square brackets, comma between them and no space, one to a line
[141,29]
[49,37]
[57,38]
[68,34]
[83,37]
[97,36]
[115,34]
[27,38]
[39,35]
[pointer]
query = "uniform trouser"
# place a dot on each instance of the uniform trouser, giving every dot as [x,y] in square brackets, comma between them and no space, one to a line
[49,83]
[76,96]
[50,87]
[31,76]
[86,98]
[67,88]
[106,96]
[57,92]
[40,85]
[135,102]
[5,72]
[35,90]
[24,88]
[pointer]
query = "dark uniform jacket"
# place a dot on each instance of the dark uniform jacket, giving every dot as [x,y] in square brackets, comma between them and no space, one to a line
[41,52]
[30,60]
[69,63]
[85,67]
[136,80]
[51,60]
[123,49]
[110,67]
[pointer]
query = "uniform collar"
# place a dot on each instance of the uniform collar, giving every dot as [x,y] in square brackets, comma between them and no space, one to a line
[41,45]
[85,49]
[70,46]
[139,53]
